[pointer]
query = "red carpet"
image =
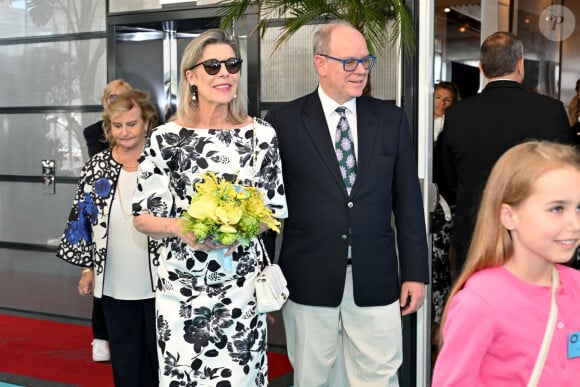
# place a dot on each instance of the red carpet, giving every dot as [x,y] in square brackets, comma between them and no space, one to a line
[61,352]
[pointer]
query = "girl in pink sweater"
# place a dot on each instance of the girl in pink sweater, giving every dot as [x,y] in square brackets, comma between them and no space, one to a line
[497,313]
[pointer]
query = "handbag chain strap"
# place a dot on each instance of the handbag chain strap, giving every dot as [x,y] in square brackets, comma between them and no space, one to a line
[265,251]
[254,151]
[254,158]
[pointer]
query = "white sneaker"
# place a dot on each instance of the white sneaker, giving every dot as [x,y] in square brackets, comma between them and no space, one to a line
[101,350]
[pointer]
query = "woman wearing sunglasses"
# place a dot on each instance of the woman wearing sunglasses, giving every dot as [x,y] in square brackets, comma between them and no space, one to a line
[208,331]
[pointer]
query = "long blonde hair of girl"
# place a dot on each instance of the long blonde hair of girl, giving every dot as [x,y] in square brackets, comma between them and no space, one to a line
[511,182]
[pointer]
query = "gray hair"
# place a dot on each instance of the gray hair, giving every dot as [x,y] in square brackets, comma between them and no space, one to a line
[500,53]
[321,40]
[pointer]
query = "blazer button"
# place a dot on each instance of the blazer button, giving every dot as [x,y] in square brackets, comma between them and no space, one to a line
[344,237]
[350,204]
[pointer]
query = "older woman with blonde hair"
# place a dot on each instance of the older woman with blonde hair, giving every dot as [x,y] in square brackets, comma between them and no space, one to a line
[96,142]
[118,261]
[208,330]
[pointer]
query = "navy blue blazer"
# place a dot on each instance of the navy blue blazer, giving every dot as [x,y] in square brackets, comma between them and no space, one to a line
[316,234]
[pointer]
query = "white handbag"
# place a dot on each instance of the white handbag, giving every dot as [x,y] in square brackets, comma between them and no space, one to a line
[271,287]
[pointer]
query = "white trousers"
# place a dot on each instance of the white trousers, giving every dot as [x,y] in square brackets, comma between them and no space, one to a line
[326,345]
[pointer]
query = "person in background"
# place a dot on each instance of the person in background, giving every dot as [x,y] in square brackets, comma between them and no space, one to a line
[118,261]
[445,94]
[574,113]
[348,164]
[208,330]
[96,142]
[479,129]
[528,226]
[94,134]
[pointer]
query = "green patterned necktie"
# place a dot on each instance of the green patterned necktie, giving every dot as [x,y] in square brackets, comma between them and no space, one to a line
[344,147]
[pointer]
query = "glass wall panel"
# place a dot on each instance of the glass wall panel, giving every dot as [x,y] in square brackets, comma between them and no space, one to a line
[46,63]
[542,50]
[40,282]
[29,138]
[385,73]
[289,72]
[21,18]
[34,217]
[133,5]
[570,63]
[460,30]
[457,42]
[53,73]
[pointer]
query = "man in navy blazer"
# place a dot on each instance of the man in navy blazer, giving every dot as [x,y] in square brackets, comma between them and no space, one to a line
[479,129]
[346,266]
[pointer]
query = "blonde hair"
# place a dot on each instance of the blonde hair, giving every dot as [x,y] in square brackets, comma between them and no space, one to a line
[111,86]
[187,110]
[125,102]
[511,182]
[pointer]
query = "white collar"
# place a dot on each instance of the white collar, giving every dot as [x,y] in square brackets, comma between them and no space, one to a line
[329,105]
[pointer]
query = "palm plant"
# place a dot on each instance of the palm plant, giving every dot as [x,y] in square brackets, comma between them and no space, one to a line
[370,17]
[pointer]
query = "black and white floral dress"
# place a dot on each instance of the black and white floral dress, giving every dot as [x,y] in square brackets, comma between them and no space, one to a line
[208,331]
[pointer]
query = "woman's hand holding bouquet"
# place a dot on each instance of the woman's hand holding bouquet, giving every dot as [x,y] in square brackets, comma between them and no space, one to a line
[223,213]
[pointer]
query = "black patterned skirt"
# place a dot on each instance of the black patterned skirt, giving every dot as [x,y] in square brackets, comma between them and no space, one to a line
[441,268]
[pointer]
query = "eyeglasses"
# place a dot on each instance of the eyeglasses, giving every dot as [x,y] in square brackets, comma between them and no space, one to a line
[350,64]
[213,66]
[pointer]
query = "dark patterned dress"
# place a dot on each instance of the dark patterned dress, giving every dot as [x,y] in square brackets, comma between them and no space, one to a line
[441,229]
[208,331]
[441,281]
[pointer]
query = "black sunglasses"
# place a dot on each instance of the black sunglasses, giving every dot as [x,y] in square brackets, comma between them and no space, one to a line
[213,66]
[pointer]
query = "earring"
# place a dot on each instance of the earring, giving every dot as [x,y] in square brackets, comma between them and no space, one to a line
[193,91]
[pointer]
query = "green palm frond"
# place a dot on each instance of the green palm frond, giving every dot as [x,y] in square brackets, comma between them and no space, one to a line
[233,11]
[382,22]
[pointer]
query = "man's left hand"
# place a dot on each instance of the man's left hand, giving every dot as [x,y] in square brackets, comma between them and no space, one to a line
[412,297]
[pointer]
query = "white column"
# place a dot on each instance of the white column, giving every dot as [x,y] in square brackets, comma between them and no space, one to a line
[425,157]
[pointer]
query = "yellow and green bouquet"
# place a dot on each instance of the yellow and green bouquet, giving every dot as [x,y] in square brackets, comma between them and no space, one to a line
[227,211]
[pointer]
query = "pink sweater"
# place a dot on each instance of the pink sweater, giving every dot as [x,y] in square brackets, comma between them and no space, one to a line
[495,328]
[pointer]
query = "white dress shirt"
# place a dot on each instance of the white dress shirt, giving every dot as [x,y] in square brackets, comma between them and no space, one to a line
[332,117]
